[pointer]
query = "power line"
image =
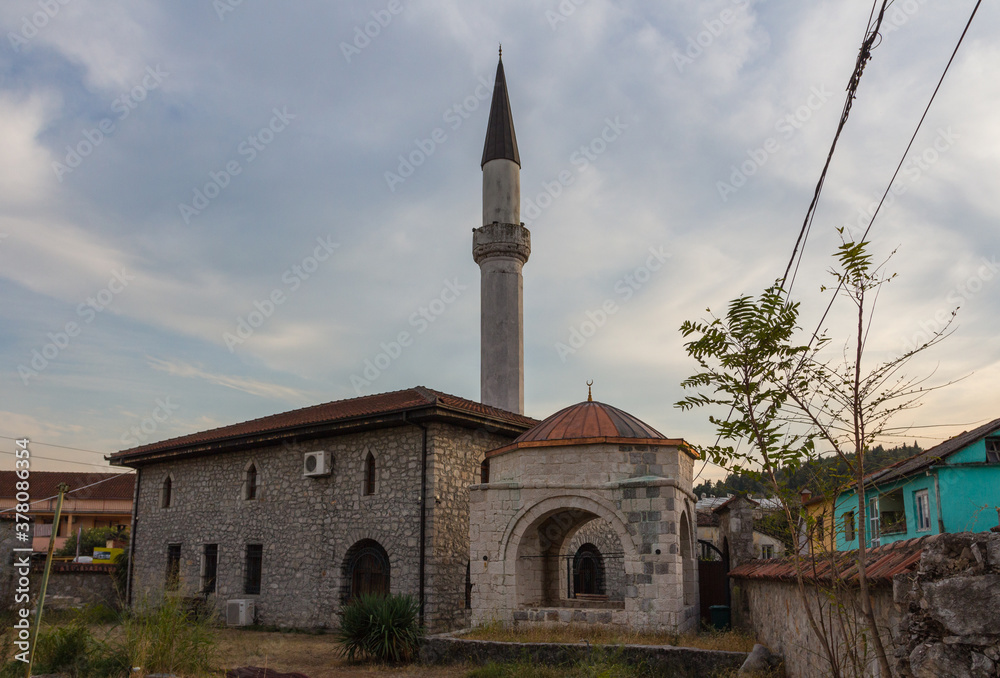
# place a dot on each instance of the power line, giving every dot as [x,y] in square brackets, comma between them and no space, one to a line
[36,442]
[78,489]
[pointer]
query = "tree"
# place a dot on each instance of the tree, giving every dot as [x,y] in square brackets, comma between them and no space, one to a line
[90,539]
[781,397]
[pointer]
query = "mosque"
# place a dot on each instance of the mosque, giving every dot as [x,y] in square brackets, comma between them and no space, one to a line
[478,511]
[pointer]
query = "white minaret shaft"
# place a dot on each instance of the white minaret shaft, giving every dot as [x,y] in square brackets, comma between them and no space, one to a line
[501,247]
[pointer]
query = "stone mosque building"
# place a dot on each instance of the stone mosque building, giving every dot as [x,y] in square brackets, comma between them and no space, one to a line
[478,511]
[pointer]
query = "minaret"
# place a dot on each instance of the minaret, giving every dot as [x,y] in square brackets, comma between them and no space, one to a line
[500,248]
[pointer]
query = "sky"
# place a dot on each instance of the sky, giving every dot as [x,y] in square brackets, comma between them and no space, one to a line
[215,211]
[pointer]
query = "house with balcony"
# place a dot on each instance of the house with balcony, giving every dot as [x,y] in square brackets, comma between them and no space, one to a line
[952,487]
[94,500]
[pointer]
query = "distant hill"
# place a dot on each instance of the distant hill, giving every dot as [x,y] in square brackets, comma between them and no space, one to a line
[819,476]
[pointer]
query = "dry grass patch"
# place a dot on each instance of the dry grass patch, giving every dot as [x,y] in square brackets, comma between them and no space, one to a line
[731,641]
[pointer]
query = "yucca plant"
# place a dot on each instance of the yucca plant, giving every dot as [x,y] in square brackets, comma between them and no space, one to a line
[382,628]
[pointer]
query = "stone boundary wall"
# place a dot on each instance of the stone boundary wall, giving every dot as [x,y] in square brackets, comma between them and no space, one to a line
[938,608]
[682,662]
[75,585]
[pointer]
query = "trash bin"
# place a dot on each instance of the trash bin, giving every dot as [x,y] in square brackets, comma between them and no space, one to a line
[719,615]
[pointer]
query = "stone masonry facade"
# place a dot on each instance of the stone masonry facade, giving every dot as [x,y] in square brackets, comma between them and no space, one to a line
[539,498]
[306,525]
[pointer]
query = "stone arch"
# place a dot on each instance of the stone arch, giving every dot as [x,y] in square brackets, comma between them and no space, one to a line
[536,538]
[599,508]
[365,569]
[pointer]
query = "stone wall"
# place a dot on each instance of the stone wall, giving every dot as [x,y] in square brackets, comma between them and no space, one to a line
[773,611]
[681,662]
[453,465]
[951,609]
[936,601]
[76,585]
[307,525]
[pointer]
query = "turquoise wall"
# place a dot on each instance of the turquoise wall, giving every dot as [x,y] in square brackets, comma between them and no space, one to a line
[969,490]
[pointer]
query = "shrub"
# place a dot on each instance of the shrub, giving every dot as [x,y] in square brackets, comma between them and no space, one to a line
[383,628]
[168,639]
[64,650]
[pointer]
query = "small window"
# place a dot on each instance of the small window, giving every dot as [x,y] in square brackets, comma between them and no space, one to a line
[484,471]
[849,526]
[820,527]
[874,536]
[251,482]
[210,568]
[253,569]
[993,450]
[923,506]
[370,474]
[173,577]
[468,586]
[167,492]
[767,551]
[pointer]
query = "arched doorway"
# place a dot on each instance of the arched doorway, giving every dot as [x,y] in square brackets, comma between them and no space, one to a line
[588,572]
[366,570]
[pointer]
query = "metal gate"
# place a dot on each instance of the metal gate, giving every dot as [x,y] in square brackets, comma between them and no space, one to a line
[713,582]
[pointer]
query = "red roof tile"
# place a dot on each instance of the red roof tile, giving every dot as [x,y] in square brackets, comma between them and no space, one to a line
[45,484]
[336,411]
[883,563]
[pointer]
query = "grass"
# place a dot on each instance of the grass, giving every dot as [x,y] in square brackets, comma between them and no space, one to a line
[732,641]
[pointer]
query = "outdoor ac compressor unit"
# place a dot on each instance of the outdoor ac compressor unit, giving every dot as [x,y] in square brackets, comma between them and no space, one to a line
[239,612]
[315,464]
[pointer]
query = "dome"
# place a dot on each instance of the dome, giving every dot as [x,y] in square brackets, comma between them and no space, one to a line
[589,419]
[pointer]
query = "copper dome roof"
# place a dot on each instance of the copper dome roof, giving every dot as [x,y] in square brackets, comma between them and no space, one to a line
[591,422]
[589,419]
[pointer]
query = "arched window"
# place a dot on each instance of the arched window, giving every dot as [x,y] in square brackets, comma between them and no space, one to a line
[366,570]
[688,564]
[468,585]
[166,492]
[369,474]
[484,471]
[588,571]
[251,482]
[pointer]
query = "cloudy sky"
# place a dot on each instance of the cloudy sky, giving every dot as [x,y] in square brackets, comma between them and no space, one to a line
[211,212]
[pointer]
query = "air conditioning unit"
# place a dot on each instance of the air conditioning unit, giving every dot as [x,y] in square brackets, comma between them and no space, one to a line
[316,464]
[239,612]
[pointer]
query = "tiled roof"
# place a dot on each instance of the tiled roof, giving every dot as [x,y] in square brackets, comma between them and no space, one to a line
[45,484]
[883,563]
[918,462]
[336,411]
[590,420]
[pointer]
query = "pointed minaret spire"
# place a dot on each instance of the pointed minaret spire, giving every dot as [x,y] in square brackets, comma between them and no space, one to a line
[501,142]
[501,247]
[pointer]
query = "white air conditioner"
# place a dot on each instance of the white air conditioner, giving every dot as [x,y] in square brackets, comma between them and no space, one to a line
[239,612]
[315,464]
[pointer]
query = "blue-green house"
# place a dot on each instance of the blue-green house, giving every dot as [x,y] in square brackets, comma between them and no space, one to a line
[952,487]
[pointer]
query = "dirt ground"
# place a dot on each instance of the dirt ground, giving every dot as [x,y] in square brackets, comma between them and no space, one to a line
[314,655]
